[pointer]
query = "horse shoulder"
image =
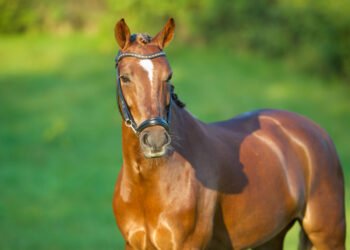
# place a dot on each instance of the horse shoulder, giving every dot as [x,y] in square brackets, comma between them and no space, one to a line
[185,209]
[128,216]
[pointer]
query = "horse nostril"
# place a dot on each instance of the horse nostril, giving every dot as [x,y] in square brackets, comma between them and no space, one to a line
[167,138]
[155,139]
[145,140]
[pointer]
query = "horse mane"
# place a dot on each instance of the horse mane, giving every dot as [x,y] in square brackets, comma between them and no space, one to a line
[176,99]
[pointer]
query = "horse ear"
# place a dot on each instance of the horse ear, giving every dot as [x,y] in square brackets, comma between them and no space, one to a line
[163,38]
[122,34]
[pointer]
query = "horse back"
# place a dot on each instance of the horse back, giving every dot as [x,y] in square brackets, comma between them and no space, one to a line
[298,145]
[286,160]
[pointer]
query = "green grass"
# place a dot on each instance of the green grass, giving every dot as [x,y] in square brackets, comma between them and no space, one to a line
[60,129]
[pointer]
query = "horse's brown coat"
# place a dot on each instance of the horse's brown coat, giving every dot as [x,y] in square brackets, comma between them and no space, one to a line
[235,184]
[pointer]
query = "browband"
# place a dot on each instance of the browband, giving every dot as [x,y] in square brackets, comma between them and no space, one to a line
[139,56]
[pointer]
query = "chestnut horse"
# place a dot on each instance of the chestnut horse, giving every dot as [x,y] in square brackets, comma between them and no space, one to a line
[235,184]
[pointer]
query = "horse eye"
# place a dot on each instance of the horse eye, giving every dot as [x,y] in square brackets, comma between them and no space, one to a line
[125,79]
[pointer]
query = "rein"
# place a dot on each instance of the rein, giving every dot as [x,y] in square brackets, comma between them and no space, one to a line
[123,106]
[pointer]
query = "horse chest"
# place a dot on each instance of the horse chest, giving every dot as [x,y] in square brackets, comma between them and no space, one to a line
[163,235]
[147,228]
[156,217]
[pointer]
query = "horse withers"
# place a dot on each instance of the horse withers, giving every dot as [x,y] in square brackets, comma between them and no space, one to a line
[236,184]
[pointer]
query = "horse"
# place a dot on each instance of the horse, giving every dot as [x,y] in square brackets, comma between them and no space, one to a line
[236,184]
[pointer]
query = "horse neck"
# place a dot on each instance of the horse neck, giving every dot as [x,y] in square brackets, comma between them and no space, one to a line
[184,128]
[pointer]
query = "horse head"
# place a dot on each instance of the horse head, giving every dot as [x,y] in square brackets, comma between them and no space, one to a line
[144,89]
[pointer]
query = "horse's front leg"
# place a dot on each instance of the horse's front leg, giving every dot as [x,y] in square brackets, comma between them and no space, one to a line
[201,237]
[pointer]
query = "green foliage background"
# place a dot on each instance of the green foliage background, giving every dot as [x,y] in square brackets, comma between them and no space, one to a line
[313,35]
[60,149]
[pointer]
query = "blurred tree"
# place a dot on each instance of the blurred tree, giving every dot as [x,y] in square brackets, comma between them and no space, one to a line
[16,15]
[314,34]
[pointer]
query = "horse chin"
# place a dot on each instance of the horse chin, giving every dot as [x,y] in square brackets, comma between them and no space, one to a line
[150,154]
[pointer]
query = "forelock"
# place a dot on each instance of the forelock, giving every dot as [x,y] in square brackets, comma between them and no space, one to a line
[141,38]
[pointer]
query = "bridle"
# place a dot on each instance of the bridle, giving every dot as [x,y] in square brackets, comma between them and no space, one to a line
[123,106]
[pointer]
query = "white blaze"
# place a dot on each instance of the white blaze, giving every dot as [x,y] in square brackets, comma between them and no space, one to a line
[148,66]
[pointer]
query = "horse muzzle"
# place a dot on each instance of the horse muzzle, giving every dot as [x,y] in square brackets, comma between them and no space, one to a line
[154,141]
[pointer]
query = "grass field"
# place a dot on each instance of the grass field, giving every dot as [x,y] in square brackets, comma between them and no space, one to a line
[60,129]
